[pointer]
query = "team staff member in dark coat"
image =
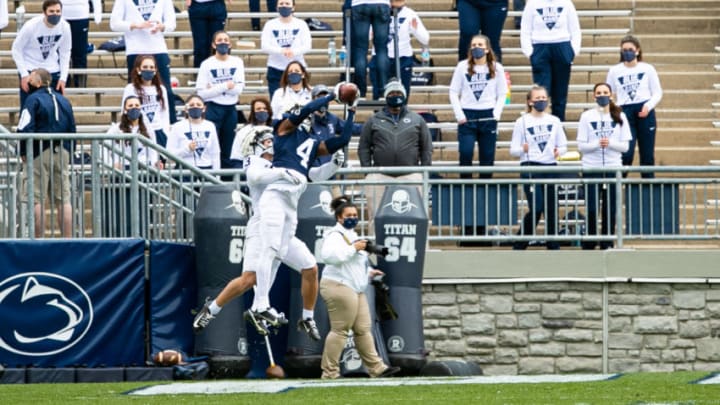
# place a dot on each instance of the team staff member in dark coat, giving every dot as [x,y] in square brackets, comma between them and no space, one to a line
[394,136]
[47,111]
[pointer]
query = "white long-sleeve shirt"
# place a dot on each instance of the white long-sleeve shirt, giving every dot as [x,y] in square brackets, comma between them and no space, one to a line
[142,41]
[405,18]
[549,22]
[80,10]
[595,124]
[542,134]
[147,156]
[207,150]
[343,263]
[360,2]
[285,98]
[277,36]
[4,15]
[633,85]
[479,91]
[40,46]
[158,117]
[213,76]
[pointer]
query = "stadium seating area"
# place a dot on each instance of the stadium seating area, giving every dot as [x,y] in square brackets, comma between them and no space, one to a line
[678,38]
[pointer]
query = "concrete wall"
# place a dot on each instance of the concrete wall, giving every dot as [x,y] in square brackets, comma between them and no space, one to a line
[620,312]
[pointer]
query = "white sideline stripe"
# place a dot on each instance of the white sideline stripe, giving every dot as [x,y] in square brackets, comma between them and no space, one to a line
[713,379]
[275,386]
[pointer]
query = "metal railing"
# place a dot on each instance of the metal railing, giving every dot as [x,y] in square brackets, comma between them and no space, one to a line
[116,194]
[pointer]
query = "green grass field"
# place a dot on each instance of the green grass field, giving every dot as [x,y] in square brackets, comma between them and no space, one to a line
[641,388]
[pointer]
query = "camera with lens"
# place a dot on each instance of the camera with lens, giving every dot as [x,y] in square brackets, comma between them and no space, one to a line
[374,249]
[379,283]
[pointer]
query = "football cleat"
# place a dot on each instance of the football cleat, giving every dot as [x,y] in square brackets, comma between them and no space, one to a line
[203,318]
[309,326]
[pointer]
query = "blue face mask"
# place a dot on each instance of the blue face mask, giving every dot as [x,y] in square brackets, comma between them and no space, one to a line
[350,223]
[628,56]
[285,11]
[261,117]
[477,53]
[195,112]
[395,101]
[54,19]
[602,101]
[222,49]
[133,114]
[294,78]
[147,75]
[540,105]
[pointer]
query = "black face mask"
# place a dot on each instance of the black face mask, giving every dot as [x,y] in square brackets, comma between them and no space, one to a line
[32,89]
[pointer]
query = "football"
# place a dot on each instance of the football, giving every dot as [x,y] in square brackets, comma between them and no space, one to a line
[274,372]
[168,358]
[347,93]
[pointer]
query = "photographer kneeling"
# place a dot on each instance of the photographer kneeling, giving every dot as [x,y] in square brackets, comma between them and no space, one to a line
[343,285]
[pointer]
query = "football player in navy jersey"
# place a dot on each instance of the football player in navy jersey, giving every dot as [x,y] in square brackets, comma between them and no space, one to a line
[295,150]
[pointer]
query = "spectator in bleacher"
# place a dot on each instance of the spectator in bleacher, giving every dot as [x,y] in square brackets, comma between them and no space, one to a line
[636,87]
[326,125]
[47,111]
[146,85]
[194,139]
[477,95]
[260,115]
[408,23]
[143,23]
[603,135]
[476,16]
[220,81]
[550,37]
[206,18]
[254,6]
[394,136]
[132,121]
[294,89]
[538,139]
[285,39]
[77,14]
[43,42]
[368,14]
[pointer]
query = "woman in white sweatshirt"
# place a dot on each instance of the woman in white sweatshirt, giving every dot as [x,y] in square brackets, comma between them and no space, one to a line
[146,85]
[194,139]
[603,135]
[294,90]
[636,87]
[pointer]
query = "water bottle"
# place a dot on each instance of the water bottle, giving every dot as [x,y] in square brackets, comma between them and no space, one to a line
[20,16]
[343,56]
[332,60]
[425,57]
[509,82]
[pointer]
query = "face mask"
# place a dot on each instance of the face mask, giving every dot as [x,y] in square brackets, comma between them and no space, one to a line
[477,53]
[285,11]
[350,223]
[628,56]
[222,49]
[195,112]
[54,19]
[147,75]
[294,78]
[395,101]
[540,105]
[602,101]
[323,109]
[261,117]
[133,114]
[32,89]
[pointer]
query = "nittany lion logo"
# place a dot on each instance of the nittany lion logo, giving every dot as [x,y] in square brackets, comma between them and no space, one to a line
[42,314]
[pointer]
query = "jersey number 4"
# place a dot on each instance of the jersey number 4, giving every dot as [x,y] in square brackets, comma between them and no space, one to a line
[304,151]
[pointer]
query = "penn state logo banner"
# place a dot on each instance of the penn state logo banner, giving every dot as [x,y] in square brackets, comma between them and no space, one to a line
[72,303]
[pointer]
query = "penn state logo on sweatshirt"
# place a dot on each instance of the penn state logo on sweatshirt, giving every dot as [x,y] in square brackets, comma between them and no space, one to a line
[391,32]
[550,15]
[603,129]
[150,105]
[222,75]
[477,83]
[285,38]
[539,134]
[145,7]
[201,139]
[47,43]
[630,83]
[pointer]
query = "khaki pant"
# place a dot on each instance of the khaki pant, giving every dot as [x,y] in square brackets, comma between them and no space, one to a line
[374,192]
[347,310]
[50,176]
